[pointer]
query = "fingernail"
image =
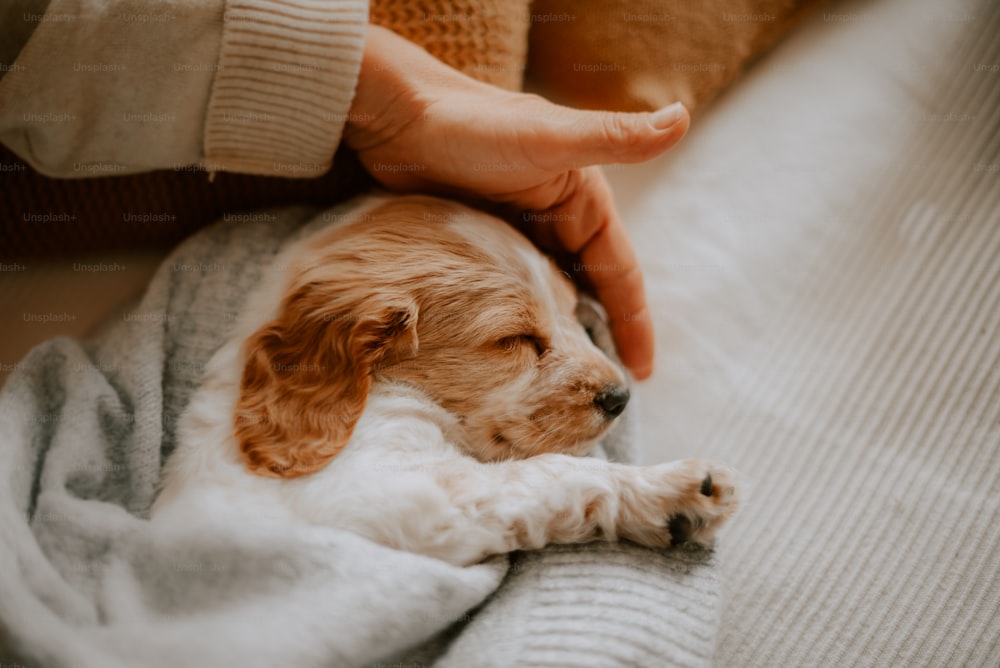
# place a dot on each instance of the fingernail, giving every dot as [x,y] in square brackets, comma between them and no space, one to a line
[643,372]
[668,116]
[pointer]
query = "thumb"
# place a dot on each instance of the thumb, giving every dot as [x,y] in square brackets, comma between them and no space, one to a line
[574,138]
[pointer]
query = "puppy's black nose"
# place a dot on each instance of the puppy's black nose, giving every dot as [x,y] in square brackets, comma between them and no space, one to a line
[612,400]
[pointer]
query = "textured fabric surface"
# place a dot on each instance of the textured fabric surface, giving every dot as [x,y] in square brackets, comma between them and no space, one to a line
[85,428]
[644,609]
[875,405]
[822,256]
[486,39]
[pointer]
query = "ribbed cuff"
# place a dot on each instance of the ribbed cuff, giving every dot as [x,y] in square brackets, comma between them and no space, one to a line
[286,77]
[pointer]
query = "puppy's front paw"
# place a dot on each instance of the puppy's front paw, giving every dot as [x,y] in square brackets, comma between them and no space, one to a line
[678,503]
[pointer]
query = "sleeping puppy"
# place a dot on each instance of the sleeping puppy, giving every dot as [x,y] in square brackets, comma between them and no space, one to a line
[416,374]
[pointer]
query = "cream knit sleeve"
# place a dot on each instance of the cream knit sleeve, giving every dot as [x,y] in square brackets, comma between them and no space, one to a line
[120,86]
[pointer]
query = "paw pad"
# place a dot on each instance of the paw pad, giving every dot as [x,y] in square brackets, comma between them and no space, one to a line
[679,527]
[706,485]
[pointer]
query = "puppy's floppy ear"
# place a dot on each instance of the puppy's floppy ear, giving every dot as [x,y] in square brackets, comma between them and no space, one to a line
[308,373]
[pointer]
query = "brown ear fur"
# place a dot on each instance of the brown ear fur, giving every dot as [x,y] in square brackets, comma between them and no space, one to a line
[308,373]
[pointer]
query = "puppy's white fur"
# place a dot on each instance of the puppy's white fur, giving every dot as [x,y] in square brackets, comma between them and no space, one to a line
[440,410]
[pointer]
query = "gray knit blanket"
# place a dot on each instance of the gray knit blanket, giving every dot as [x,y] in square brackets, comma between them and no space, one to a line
[85,427]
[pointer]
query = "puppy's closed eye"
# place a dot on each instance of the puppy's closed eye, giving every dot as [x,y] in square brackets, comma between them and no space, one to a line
[523,341]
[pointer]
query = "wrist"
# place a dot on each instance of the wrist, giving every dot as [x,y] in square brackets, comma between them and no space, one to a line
[383,93]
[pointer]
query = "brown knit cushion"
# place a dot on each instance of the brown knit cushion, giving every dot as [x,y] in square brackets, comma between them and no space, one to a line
[486,39]
[638,55]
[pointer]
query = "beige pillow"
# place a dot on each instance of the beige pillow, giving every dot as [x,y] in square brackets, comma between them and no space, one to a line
[644,54]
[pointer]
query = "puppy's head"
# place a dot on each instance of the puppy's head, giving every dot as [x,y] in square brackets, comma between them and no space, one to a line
[438,296]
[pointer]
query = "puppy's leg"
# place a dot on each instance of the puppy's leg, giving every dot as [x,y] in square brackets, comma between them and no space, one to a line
[526,504]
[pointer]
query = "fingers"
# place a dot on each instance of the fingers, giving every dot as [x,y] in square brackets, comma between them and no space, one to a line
[586,224]
[565,138]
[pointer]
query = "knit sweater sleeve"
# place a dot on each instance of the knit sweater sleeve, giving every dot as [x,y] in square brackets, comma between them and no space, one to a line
[122,86]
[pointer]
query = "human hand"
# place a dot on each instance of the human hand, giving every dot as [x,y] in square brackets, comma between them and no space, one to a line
[419,125]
